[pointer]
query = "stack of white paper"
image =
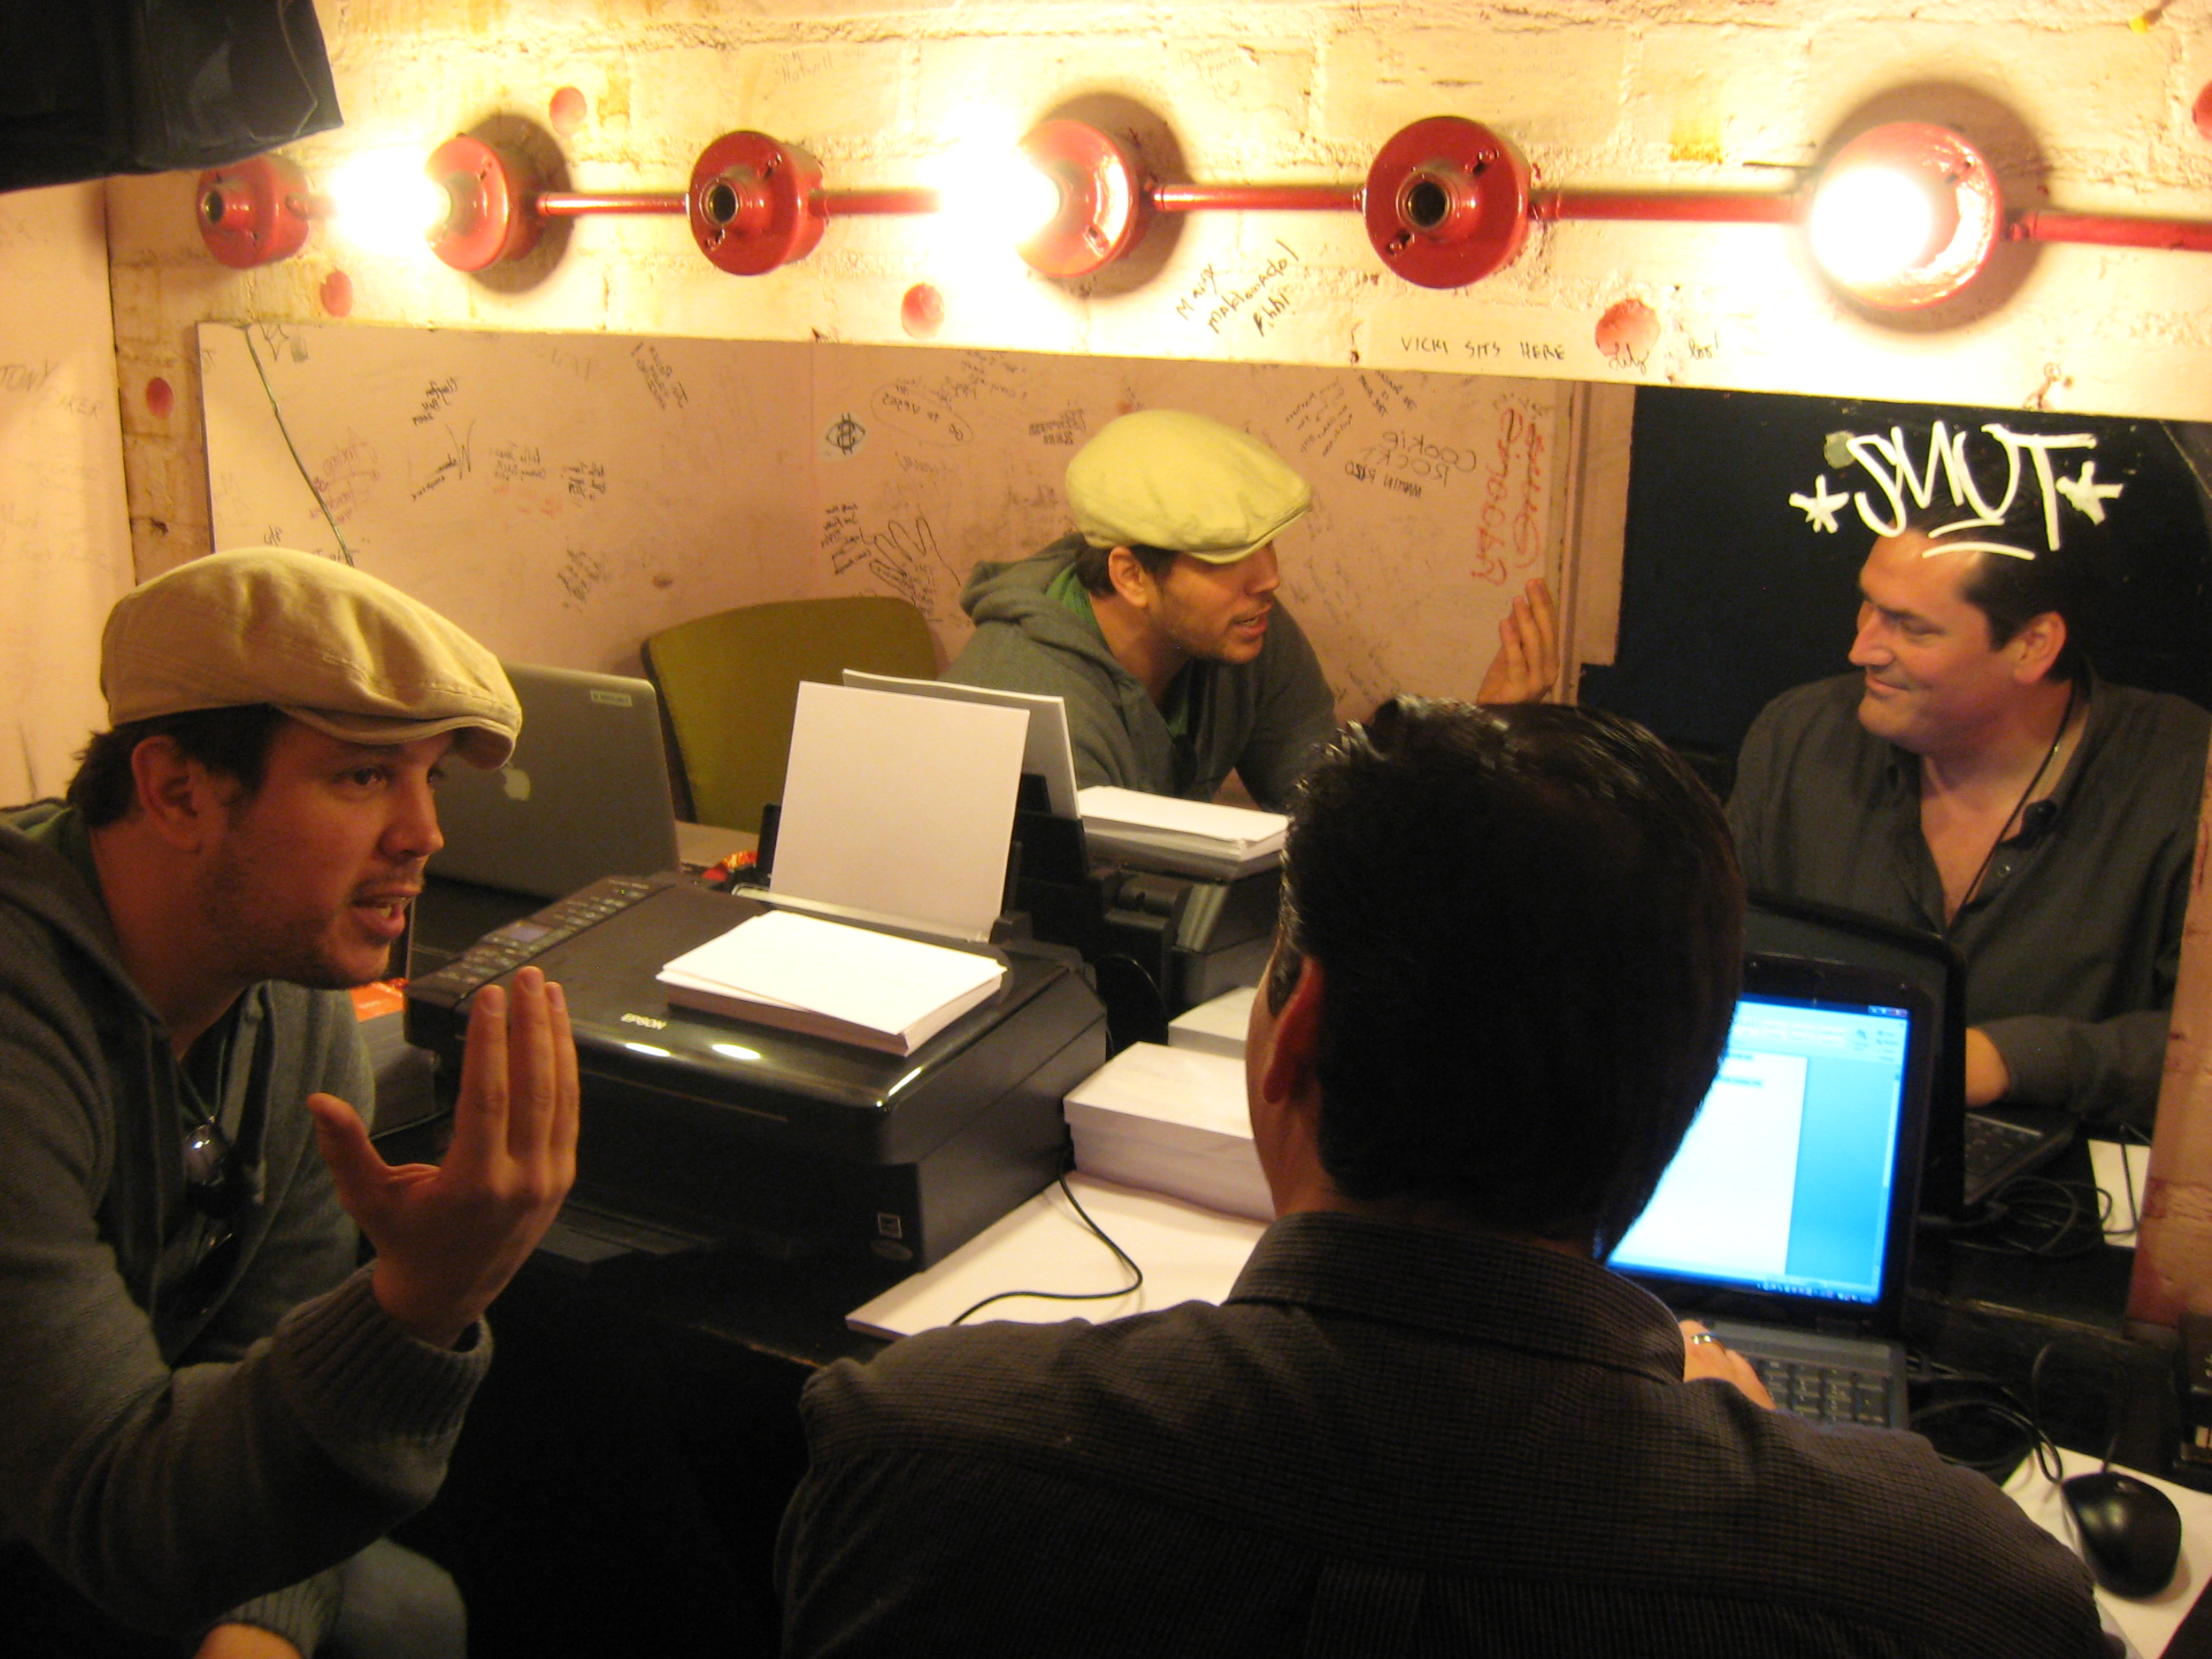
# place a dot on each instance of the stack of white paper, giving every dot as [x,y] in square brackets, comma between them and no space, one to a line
[1170,1121]
[824,978]
[1194,836]
[1217,1027]
[1189,1254]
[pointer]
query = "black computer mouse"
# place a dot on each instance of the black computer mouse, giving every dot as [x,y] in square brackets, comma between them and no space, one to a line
[2130,1531]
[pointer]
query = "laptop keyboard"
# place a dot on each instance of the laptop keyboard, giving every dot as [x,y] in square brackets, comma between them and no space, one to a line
[1990,1145]
[1826,1394]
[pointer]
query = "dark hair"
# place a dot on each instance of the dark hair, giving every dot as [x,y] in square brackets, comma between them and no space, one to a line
[232,741]
[1092,564]
[2011,592]
[1530,923]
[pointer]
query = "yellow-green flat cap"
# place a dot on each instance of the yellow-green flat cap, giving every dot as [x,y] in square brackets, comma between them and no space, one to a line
[1161,478]
[331,646]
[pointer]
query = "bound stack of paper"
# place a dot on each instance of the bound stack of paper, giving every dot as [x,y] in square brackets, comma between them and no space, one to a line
[1217,1027]
[829,980]
[1194,837]
[1170,1121]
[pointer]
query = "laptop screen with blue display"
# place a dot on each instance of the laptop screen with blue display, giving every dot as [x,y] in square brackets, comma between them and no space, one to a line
[1786,1182]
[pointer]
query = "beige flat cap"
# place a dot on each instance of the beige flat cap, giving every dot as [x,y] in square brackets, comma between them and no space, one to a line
[1161,478]
[331,646]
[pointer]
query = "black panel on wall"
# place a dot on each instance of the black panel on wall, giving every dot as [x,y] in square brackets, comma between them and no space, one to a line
[97,87]
[1730,594]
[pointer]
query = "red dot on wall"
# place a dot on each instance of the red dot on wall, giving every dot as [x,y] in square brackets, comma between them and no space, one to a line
[567,110]
[1627,331]
[337,294]
[160,398]
[922,312]
[2204,110]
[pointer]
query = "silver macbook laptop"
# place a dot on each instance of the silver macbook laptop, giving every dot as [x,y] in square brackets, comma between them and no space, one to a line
[1785,1221]
[584,795]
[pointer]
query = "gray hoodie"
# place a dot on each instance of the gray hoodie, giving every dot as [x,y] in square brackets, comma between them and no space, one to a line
[1264,719]
[173,1448]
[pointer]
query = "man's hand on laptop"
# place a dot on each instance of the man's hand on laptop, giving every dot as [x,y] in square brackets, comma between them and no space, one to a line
[1703,1355]
[449,1236]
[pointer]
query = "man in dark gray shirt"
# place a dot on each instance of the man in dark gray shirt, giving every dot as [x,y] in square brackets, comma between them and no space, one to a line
[1427,1419]
[1975,779]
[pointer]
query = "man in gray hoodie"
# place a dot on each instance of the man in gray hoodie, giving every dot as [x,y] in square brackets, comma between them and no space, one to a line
[208,1416]
[1157,620]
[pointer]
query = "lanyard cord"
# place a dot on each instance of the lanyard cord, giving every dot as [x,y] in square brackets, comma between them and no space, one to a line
[2073,688]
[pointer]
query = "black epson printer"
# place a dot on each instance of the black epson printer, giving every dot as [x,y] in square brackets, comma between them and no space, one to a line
[710,1130]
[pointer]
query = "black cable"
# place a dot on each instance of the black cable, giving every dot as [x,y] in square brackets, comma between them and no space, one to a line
[1137,1274]
[2034,1215]
[2027,1438]
[2129,1134]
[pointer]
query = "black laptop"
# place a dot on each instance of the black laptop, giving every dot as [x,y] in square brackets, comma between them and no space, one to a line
[1785,1221]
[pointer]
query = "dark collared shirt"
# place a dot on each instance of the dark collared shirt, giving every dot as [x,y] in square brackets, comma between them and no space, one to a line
[2074,938]
[1390,1441]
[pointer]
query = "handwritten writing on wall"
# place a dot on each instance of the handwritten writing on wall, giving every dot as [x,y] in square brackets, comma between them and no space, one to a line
[1259,297]
[1966,471]
[563,497]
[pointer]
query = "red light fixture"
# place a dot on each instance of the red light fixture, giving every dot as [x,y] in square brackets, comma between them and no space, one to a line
[256,211]
[1447,202]
[755,203]
[489,218]
[1104,199]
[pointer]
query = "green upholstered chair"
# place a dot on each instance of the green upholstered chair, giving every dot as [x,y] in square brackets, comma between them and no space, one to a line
[729,685]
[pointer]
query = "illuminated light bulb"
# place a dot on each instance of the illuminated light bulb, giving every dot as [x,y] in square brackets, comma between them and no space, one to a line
[385,202]
[1873,224]
[1905,216]
[988,189]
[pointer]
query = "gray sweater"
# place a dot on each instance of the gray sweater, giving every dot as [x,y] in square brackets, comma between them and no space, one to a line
[1264,719]
[173,1448]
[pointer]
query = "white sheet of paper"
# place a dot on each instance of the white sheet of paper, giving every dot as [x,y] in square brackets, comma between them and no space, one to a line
[2149,1624]
[871,979]
[1237,825]
[1047,752]
[1187,1254]
[900,806]
[2105,1162]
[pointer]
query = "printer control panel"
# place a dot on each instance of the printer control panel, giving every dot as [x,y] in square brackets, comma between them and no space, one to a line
[506,949]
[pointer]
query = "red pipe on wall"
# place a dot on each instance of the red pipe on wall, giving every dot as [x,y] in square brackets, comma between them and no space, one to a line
[1709,208]
[2043,225]
[1257,198]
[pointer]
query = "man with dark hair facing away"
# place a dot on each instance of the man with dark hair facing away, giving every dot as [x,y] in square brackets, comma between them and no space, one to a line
[1975,779]
[1427,1419]
[207,1417]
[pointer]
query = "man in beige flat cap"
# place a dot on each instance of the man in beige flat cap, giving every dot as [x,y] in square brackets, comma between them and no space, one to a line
[1157,620]
[207,1417]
